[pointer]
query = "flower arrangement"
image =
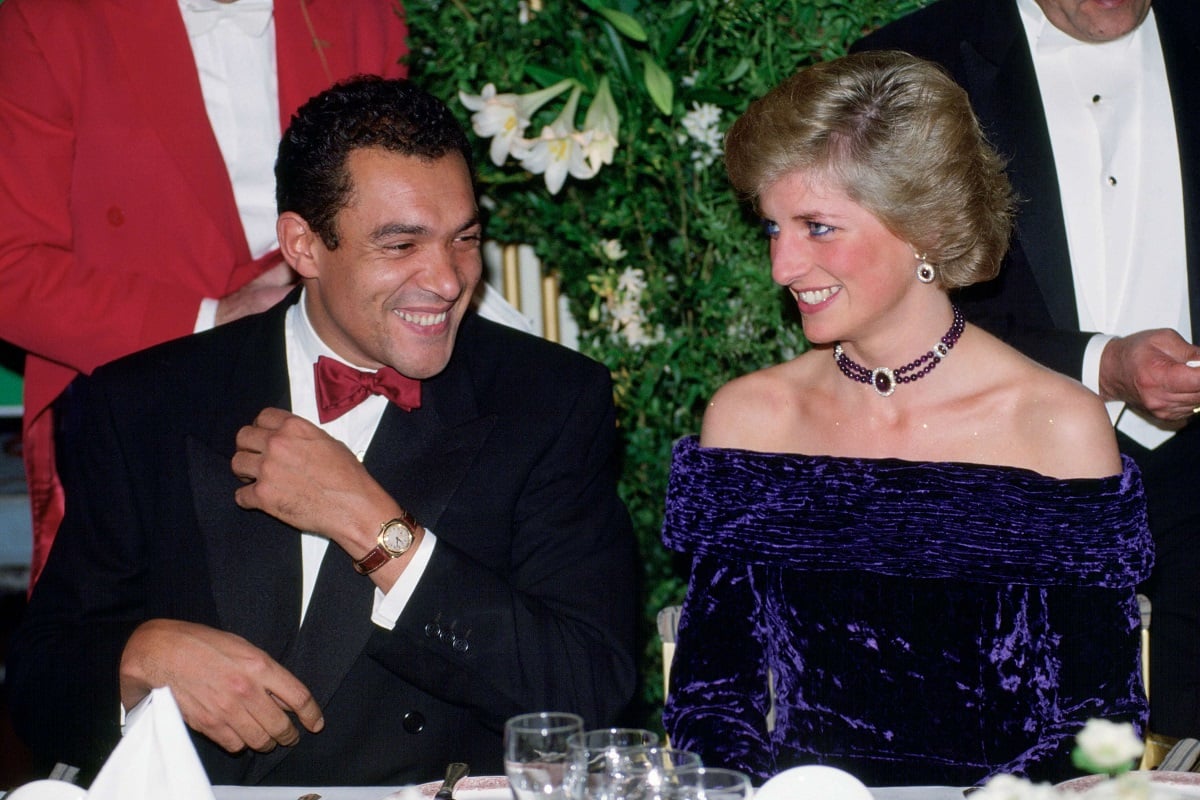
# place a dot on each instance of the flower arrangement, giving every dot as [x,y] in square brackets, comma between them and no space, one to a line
[1102,748]
[599,127]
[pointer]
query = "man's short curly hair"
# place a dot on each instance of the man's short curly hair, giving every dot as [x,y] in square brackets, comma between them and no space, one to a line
[311,174]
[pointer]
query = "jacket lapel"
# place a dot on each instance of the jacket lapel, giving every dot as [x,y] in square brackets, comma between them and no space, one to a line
[1001,80]
[253,559]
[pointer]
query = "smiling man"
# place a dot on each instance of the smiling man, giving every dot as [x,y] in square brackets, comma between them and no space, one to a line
[355,533]
[1096,107]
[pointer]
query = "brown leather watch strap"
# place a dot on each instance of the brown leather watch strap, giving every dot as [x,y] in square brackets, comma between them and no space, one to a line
[381,554]
[372,560]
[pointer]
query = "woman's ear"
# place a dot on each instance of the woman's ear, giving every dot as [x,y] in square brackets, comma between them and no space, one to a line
[298,244]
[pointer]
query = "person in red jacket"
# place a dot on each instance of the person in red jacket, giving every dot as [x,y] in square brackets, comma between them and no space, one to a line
[137,144]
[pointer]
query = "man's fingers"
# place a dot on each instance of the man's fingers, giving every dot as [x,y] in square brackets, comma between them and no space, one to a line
[304,706]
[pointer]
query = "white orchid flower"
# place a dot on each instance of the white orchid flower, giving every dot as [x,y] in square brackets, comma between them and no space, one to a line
[1109,746]
[558,151]
[504,117]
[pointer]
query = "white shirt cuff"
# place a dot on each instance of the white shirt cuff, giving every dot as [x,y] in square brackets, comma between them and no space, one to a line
[388,607]
[207,318]
[1091,372]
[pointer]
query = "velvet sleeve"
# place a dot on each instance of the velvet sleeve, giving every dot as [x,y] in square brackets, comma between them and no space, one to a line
[719,697]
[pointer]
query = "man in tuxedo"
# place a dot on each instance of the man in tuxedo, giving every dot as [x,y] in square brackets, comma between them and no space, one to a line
[356,532]
[1096,106]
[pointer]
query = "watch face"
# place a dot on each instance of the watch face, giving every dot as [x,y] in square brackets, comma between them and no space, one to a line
[396,538]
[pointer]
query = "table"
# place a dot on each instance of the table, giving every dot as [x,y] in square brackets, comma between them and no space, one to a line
[378,792]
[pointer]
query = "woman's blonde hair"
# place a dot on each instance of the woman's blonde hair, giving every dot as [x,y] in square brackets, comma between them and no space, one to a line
[899,137]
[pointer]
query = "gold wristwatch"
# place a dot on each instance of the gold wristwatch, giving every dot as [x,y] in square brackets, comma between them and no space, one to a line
[396,537]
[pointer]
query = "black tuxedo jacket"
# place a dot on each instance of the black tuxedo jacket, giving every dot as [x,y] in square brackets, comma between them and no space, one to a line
[527,603]
[982,44]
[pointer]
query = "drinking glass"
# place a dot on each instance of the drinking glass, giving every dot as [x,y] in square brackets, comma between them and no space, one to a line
[708,783]
[600,763]
[535,753]
[652,770]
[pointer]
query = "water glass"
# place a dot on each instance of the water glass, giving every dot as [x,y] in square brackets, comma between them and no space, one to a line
[708,783]
[652,770]
[535,753]
[601,763]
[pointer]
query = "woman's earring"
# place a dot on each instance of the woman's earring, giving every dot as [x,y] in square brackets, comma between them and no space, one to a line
[925,271]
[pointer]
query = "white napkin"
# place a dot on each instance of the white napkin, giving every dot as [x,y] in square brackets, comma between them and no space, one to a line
[155,759]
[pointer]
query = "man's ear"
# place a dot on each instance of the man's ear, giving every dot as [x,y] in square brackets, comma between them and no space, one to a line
[298,243]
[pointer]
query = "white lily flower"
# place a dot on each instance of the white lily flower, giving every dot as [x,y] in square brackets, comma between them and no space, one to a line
[504,117]
[1107,745]
[598,148]
[600,127]
[558,151]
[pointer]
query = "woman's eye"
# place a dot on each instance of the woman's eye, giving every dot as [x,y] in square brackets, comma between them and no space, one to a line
[819,228]
[770,228]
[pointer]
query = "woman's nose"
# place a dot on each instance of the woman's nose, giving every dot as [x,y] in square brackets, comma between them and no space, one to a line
[790,260]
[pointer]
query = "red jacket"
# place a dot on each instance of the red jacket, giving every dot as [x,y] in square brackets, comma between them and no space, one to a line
[116,212]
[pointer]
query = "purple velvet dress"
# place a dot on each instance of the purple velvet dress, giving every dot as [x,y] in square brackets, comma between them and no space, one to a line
[922,623]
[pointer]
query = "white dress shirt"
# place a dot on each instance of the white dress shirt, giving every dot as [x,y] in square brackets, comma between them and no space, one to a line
[1109,113]
[234,48]
[355,429]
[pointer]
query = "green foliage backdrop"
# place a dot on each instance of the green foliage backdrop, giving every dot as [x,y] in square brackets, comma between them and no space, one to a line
[666,272]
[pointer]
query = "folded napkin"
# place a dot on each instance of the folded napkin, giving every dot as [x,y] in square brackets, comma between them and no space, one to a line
[155,759]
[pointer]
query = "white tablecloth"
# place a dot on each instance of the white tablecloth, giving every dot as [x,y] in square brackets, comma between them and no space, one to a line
[376,793]
[379,792]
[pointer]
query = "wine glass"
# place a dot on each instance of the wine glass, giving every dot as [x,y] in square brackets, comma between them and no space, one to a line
[535,753]
[601,762]
[708,783]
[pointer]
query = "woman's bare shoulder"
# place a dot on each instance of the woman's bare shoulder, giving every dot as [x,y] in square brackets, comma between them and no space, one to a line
[1060,424]
[749,411]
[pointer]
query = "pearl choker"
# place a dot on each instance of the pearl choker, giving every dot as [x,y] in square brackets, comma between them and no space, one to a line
[883,379]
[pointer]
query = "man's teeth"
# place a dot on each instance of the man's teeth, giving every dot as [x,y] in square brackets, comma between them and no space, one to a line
[422,319]
[815,296]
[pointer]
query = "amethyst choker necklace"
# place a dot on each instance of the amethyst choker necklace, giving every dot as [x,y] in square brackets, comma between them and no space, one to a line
[883,379]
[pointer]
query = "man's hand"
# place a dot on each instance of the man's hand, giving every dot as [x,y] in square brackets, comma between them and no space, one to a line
[301,475]
[258,295]
[1148,371]
[226,688]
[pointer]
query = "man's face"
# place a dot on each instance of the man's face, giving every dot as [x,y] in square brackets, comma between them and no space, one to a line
[395,290]
[1095,20]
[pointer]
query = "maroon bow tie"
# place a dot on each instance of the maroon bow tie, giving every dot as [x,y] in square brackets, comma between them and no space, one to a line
[341,387]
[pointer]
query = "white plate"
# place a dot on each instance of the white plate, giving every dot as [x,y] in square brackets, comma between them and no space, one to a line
[1184,784]
[474,787]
